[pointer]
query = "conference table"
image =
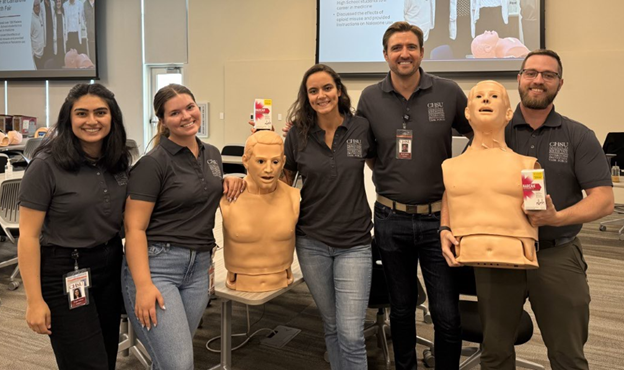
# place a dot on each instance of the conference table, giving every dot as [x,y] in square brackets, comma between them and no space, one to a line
[227,296]
[17,147]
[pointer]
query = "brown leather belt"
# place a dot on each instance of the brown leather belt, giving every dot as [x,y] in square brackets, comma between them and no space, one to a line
[420,209]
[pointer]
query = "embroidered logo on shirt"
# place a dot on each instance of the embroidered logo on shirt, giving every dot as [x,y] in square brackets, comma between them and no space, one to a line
[121,178]
[214,168]
[558,151]
[436,111]
[354,148]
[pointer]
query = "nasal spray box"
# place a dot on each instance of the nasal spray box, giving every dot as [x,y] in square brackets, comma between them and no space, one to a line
[263,110]
[534,189]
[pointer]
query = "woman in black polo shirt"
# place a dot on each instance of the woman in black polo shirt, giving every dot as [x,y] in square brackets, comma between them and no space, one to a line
[328,146]
[173,193]
[71,206]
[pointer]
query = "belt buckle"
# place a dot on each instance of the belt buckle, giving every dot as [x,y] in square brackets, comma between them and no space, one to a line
[411,208]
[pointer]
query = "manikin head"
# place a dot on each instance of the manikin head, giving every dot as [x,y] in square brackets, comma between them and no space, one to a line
[264,160]
[488,109]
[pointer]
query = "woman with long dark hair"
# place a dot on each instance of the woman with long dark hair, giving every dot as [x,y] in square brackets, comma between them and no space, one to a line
[328,145]
[71,206]
[173,194]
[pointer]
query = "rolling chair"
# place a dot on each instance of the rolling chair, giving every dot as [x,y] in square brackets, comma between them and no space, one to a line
[472,329]
[234,150]
[31,146]
[614,150]
[379,300]
[9,220]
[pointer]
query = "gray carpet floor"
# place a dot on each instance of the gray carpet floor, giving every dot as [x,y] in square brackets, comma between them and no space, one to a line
[22,349]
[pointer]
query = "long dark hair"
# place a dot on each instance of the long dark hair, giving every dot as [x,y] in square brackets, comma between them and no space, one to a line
[64,146]
[301,113]
[160,99]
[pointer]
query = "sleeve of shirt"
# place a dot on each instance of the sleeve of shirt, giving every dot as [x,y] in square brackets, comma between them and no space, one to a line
[145,180]
[290,148]
[590,164]
[372,144]
[362,107]
[37,187]
[461,123]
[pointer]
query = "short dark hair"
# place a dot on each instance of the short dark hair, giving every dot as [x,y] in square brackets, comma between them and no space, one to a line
[402,27]
[546,52]
[160,99]
[64,146]
[301,113]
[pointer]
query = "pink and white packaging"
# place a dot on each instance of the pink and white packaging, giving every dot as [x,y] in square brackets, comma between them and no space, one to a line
[263,111]
[534,189]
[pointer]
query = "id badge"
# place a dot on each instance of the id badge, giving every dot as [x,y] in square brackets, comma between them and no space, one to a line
[77,285]
[404,144]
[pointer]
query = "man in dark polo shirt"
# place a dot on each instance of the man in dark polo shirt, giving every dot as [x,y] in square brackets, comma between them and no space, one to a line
[573,161]
[417,109]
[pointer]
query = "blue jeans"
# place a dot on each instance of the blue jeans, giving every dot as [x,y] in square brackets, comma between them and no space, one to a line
[181,275]
[403,240]
[339,280]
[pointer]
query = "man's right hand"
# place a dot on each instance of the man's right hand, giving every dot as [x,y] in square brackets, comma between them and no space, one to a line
[448,241]
[285,130]
[38,317]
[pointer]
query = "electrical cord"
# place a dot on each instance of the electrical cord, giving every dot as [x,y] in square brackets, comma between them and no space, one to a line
[246,334]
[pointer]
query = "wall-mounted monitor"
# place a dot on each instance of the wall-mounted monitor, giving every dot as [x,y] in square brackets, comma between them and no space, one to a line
[460,36]
[48,39]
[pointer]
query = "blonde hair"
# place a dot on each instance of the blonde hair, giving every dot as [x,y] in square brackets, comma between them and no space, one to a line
[262,137]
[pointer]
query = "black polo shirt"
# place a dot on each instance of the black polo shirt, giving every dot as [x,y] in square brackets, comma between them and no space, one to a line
[83,209]
[571,156]
[436,106]
[334,209]
[186,191]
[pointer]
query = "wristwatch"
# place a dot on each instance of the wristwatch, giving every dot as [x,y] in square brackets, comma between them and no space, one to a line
[442,228]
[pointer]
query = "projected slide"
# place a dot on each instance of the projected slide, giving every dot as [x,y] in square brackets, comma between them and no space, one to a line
[47,39]
[459,35]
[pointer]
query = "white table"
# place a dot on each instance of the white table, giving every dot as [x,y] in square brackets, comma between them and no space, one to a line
[232,159]
[254,299]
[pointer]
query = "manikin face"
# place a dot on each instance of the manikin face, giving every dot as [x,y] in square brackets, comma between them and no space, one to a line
[91,122]
[404,54]
[182,117]
[264,167]
[322,93]
[488,106]
[539,93]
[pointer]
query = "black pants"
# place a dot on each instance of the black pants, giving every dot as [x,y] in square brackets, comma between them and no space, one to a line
[86,337]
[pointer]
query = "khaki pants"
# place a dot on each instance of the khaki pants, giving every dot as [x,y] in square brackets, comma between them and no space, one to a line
[559,296]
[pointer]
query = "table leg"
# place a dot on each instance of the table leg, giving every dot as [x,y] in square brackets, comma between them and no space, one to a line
[226,336]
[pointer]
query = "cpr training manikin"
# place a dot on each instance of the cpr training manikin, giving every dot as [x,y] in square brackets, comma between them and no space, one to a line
[259,227]
[484,194]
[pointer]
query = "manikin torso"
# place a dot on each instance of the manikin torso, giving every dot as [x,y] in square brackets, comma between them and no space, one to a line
[259,239]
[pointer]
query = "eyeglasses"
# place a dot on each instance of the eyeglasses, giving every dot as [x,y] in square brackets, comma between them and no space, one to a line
[531,74]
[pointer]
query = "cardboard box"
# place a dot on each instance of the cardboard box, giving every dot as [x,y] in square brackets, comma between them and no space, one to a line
[263,112]
[534,189]
[26,125]
[6,123]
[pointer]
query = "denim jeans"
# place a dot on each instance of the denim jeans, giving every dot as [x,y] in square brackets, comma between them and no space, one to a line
[181,276]
[339,281]
[86,337]
[403,240]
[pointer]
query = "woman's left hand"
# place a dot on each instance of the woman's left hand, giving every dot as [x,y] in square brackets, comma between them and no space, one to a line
[232,187]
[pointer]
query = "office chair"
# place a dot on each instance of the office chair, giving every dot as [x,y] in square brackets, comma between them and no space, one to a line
[9,220]
[234,167]
[380,300]
[134,150]
[614,150]
[472,330]
[31,146]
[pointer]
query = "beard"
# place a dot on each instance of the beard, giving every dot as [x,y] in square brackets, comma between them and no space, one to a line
[537,103]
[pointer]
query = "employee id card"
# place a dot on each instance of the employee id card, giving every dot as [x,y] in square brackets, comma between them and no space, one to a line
[404,144]
[77,285]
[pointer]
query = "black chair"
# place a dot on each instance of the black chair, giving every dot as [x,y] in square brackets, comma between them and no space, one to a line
[380,300]
[614,150]
[234,167]
[472,330]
